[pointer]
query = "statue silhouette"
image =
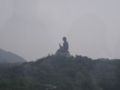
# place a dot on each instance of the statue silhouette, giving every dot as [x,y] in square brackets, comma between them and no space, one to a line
[63,49]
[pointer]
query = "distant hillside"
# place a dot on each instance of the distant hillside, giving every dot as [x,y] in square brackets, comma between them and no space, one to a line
[9,57]
[62,73]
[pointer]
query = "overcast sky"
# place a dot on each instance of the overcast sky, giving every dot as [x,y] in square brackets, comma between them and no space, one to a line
[34,28]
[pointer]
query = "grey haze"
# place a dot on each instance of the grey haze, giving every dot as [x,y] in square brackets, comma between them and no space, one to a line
[34,28]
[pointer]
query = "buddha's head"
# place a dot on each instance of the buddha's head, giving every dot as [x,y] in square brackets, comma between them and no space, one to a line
[64,39]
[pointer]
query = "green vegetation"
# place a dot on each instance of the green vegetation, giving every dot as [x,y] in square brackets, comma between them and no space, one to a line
[61,73]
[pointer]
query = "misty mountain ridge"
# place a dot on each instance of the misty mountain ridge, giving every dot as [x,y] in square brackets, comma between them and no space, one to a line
[61,71]
[58,72]
[9,57]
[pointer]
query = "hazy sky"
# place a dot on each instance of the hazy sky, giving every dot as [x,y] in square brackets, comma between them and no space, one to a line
[34,28]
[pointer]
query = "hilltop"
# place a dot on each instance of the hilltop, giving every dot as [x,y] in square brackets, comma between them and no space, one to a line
[62,73]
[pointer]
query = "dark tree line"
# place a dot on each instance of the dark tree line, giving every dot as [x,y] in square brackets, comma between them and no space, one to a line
[61,73]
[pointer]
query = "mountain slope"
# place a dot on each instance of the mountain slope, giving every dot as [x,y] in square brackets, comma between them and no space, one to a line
[8,57]
[62,73]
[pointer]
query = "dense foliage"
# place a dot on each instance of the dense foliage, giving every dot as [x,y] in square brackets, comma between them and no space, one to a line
[61,73]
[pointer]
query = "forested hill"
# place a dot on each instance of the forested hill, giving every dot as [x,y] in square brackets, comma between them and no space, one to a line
[62,73]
